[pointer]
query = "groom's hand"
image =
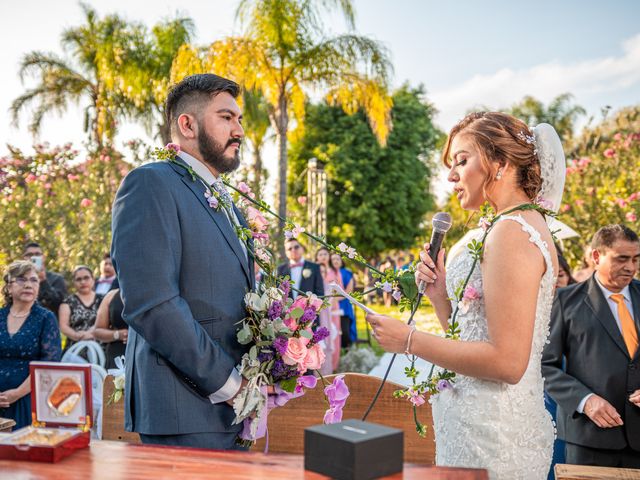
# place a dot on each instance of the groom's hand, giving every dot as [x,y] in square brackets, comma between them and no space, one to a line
[602,413]
[242,385]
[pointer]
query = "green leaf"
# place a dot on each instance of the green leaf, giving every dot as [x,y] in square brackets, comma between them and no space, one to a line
[407,283]
[296,313]
[244,335]
[268,331]
[253,353]
[306,334]
[289,385]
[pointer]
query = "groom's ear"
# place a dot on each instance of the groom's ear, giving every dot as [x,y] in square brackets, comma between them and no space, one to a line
[188,126]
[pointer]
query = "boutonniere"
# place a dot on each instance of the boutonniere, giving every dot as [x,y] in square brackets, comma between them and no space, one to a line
[306,273]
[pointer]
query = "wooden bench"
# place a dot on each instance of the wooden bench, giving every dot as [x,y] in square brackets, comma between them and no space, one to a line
[585,472]
[6,424]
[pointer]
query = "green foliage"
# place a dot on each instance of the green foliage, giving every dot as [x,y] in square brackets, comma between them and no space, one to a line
[377,197]
[63,205]
[603,180]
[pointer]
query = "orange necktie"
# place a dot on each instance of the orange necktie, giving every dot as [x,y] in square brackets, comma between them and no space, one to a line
[626,322]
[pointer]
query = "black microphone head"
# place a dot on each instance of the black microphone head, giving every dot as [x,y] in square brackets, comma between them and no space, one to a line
[441,222]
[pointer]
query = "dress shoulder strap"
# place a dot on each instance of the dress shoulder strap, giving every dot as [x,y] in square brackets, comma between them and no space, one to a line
[534,237]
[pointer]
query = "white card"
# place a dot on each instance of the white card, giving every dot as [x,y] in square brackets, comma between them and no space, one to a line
[340,291]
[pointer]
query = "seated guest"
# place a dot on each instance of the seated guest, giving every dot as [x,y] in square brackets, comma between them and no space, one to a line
[27,332]
[53,288]
[78,311]
[110,328]
[107,275]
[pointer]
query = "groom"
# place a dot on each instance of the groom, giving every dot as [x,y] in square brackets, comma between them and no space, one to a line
[183,274]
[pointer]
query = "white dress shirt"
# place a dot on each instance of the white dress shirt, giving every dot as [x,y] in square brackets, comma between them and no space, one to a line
[613,306]
[234,382]
[296,276]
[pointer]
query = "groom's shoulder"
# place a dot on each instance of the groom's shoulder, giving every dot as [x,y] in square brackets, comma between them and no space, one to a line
[152,171]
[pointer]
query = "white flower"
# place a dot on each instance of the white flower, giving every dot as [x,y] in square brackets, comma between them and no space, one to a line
[306,273]
[343,247]
[273,293]
[255,302]
[118,382]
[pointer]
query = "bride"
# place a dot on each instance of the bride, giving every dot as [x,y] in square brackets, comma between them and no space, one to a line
[494,416]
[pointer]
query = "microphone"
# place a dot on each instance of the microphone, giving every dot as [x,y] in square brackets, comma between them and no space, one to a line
[441,224]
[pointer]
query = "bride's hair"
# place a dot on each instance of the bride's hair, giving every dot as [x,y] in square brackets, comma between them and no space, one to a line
[504,139]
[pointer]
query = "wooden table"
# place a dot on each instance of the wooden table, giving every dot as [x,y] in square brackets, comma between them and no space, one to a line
[584,472]
[118,460]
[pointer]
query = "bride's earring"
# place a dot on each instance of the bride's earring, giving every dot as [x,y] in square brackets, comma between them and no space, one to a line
[499,175]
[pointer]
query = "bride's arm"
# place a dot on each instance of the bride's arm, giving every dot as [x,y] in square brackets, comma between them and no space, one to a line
[512,268]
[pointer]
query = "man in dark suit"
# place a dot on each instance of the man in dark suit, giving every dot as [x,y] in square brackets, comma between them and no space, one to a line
[53,288]
[183,274]
[305,275]
[594,326]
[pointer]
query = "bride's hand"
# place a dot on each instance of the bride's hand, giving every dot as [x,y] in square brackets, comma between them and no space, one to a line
[390,333]
[434,275]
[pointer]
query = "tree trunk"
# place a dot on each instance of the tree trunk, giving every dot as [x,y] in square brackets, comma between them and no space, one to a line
[282,124]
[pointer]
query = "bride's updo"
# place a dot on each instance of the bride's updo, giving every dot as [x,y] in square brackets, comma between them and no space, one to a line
[504,139]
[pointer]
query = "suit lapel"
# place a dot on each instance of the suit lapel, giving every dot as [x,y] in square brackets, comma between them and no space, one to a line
[243,222]
[218,216]
[601,310]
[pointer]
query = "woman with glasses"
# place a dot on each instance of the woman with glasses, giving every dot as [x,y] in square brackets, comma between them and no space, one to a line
[78,311]
[27,332]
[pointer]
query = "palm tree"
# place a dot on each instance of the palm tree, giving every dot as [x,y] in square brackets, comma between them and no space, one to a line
[256,124]
[560,113]
[98,48]
[284,54]
[146,77]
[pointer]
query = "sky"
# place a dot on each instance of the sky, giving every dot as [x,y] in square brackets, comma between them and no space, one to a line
[466,53]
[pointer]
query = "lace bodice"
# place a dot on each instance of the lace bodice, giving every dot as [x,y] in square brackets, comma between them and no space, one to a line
[494,425]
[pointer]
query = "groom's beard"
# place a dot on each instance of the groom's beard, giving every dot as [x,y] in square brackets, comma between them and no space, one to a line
[213,153]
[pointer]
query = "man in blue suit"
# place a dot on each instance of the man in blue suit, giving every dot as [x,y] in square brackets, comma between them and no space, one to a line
[183,274]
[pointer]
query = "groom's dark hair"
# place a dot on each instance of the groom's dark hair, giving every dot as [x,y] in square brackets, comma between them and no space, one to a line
[198,90]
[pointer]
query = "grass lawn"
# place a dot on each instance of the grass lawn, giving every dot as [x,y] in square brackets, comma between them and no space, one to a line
[426,321]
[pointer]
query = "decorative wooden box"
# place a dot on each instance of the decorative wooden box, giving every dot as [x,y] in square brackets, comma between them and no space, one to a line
[61,412]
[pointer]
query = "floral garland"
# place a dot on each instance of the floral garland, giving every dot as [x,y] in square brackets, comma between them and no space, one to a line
[464,294]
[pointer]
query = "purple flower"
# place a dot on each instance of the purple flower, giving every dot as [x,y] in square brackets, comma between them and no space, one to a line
[265,356]
[309,315]
[282,371]
[306,381]
[275,310]
[397,294]
[280,344]
[320,334]
[443,385]
[336,394]
[285,286]
[386,287]
[174,147]
[213,201]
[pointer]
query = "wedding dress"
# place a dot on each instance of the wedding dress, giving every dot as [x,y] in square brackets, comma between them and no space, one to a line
[486,424]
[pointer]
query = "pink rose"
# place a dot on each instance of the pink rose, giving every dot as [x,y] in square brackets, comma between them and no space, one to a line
[296,351]
[579,202]
[609,153]
[256,219]
[565,208]
[244,188]
[471,293]
[622,203]
[290,322]
[631,217]
[39,202]
[30,178]
[633,197]
[314,358]
[47,186]
[22,224]
[85,202]
[302,200]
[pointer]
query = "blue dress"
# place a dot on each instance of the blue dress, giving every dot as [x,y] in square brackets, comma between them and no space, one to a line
[37,339]
[346,306]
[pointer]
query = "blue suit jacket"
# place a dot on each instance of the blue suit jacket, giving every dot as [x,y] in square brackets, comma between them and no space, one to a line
[182,275]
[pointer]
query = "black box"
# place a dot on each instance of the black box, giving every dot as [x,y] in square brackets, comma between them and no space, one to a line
[353,450]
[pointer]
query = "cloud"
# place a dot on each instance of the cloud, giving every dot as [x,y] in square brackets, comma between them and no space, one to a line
[590,81]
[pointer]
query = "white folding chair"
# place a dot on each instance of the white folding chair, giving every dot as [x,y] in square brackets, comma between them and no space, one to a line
[95,354]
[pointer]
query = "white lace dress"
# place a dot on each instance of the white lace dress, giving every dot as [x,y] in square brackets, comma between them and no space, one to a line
[484,424]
